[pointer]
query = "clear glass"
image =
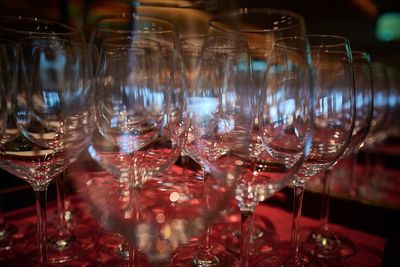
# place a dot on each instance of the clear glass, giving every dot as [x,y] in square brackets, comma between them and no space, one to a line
[333,123]
[220,119]
[134,26]
[260,27]
[139,130]
[52,126]
[8,53]
[323,242]
[64,244]
[378,132]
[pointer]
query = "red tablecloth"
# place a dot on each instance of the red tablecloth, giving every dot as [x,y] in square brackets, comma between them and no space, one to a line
[370,247]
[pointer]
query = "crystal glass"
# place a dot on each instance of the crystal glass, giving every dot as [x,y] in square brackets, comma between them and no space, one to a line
[220,119]
[260,27]
[377,133]
[285,123]
[333,120]
[380,81]
[8,79]
[65,243]
[323,242]
[134,26]
[52,125]
[138,137]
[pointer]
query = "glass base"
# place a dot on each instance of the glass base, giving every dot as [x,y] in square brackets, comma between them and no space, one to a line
[16,243]
[6,237]
[77,243]
[328,245]
[189,256]
[112,251]
[264,238]
[282,258]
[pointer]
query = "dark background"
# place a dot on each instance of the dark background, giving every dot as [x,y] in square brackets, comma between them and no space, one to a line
[355,19]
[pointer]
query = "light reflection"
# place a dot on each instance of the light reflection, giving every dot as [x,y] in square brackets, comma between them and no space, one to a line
[174,196]
[166,231]
[160,217]
[203,106]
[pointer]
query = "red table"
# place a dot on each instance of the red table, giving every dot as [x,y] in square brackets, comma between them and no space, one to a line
[370,247]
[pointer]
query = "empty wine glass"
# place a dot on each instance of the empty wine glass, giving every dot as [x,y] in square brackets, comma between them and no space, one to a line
[8,79]
[133,26]
[51,104]
[285,122]
[333,121]
[323,242]
[220,117]
[134,114]
[377,132]
[65,241]
[260,27]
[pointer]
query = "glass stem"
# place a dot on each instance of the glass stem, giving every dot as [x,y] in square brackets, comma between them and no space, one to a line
[132,257]
[353,181]
[326,183]
[133,260]
[297,206]
[41,198]
[62,225]
[205,255]
[206,245]
[245,236]
[185,163]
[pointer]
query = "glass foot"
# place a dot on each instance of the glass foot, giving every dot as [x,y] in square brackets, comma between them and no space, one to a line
[264,238]
[328,245]
[189,256]
[112,251]
[75,244]
[6,237]
[283,258]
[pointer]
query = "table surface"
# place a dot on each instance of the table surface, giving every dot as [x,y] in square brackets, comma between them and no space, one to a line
[370,247]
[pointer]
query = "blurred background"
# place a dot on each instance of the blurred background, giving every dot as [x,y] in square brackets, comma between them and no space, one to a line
[371,25]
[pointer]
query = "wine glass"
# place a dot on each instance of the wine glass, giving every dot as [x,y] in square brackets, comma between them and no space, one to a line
[284,120]
[131,26]
[322,241]
[334,111]
[8,78]
[52,125]
[377,132]
[393,103]
[134,114]
[260,27]
[220,117]
[65,241]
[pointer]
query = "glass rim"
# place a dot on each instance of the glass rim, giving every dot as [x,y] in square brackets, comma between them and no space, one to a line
[241,44]
[252,10]
[70,30]
[65,42]
[108,41]
[278,42]
[184,40]
[344,40]
[122,17]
